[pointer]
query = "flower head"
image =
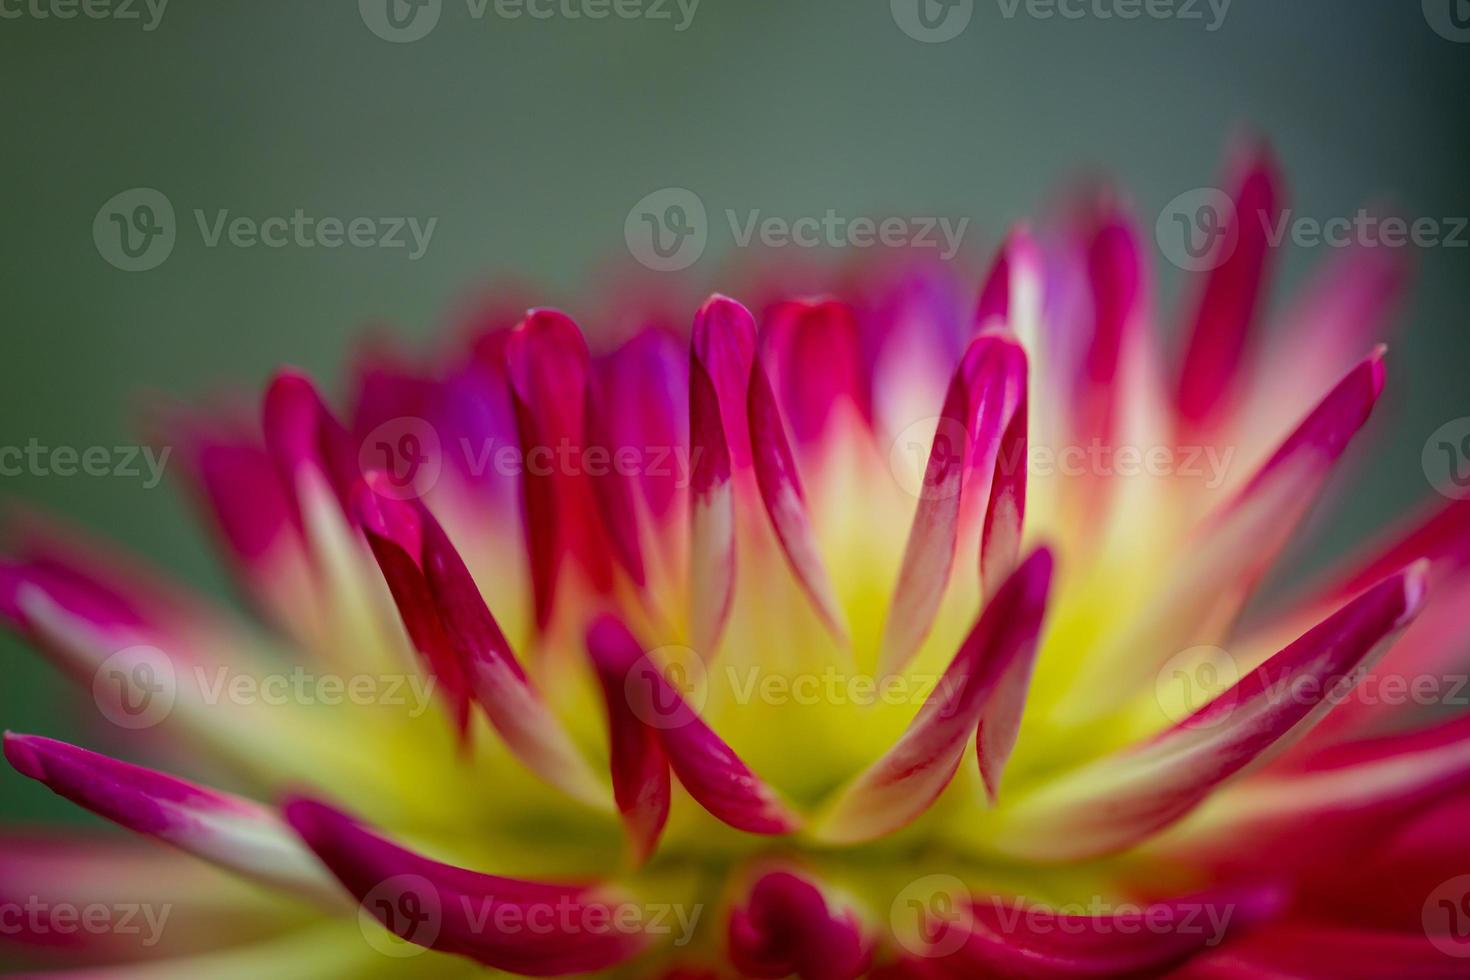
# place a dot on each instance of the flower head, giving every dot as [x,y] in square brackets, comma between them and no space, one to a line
[884,631]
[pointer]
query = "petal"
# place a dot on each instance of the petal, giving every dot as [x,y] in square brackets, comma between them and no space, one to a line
[640,770]
[520,926]
[780,486]
[1350,795]
[302,435]
[226,830]
[909,777]
[1014,938]
[724,332]
[1234,547]
[447,618]
[547,363]
[1111,804]
[786,927]
[1324,952]
[981,403]
[712,773]
[1233,293]
[812,353]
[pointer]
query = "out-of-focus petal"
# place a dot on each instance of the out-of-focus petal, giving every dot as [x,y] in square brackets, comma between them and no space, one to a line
[232,832]
[1009,937]
[786,927]
[1231,296]
[520,926]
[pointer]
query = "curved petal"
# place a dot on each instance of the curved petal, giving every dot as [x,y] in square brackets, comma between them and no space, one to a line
[1015,938]
[911,776]
[1116,802]
[522,926]
[982,400]
[229,831]
[448,620]
[708,768]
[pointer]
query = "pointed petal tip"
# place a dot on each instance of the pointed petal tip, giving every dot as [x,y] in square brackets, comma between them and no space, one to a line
[21,753]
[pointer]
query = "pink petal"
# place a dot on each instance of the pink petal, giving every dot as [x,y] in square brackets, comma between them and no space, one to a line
[1009,937]
[780,487]
[786,928]
[301,435]
[983,398]
[712,773]
[1115,275]
[909,777]
[232,832]
[723,331]
[520,926]
[1232,295]
[640,770]
[1321,951]
[448,620]
[1116,802]
[547,363]
[812,353]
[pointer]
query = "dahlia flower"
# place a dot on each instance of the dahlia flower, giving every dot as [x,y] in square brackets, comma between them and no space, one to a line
[885,630]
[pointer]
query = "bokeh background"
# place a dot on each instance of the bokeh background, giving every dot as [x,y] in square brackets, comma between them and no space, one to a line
[530,140]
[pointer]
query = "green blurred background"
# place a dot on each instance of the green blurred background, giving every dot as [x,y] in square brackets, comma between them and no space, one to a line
[531,140]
